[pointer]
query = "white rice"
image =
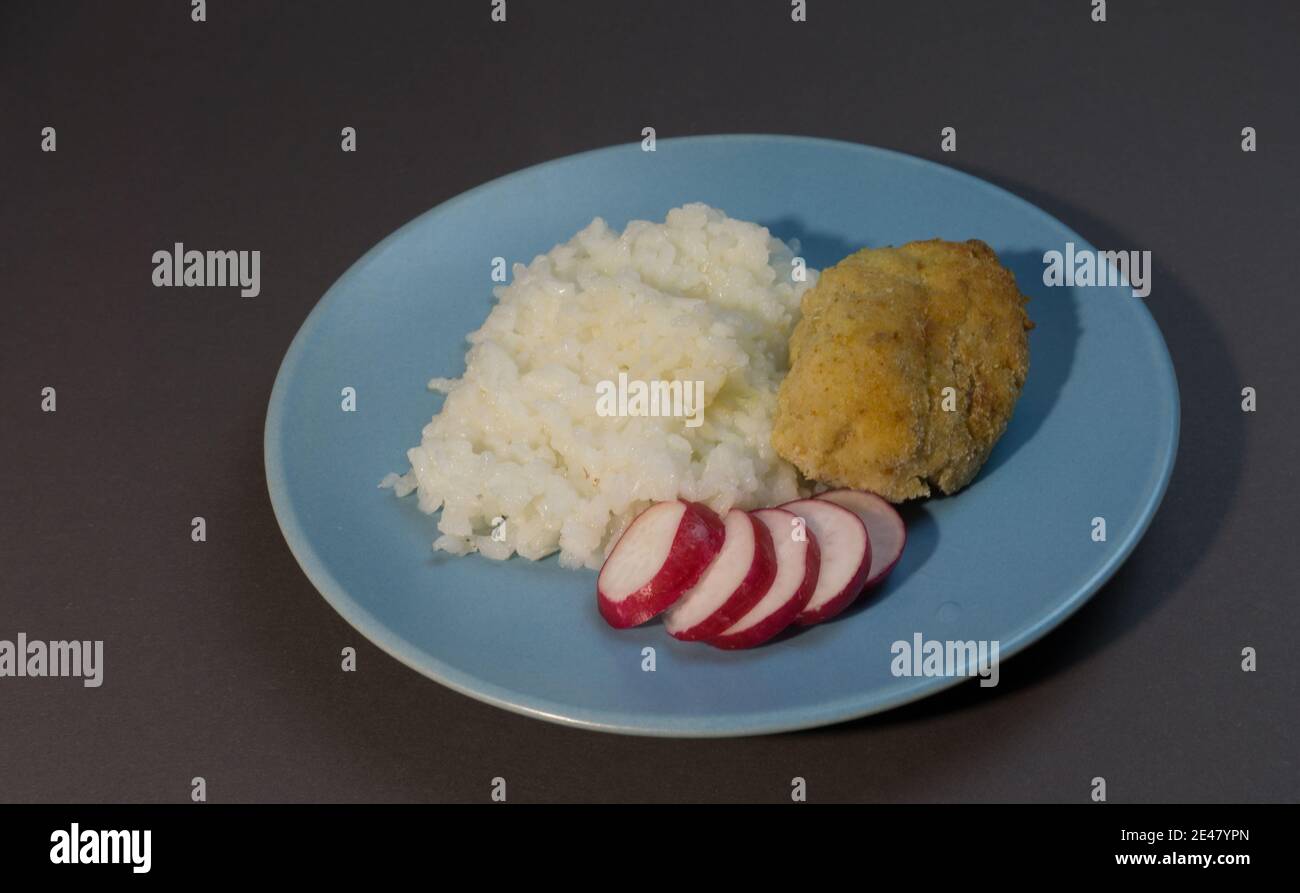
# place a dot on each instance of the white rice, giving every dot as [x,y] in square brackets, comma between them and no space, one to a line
[519,440]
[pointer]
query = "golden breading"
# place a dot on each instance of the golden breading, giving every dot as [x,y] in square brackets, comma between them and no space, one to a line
[882,334]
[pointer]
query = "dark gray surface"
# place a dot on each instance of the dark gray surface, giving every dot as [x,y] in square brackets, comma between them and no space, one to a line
[222,660]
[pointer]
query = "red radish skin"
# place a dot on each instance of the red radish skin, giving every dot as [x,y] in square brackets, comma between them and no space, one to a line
[798,564]
[885,529]
[845,553]
[733,583]
[655,562]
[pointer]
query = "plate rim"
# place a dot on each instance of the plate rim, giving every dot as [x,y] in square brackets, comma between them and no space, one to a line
[760,722]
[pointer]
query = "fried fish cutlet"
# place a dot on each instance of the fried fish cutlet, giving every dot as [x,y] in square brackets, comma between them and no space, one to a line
[882,335]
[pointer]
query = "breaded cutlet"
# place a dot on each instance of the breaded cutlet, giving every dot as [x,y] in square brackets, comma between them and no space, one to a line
[881,336]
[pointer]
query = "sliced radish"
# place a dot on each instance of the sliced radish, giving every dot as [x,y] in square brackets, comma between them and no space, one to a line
[798,563]
[736,580]
[884,528]
[660,556]
[846,557]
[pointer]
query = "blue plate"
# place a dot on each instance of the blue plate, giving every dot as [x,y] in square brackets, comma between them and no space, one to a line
[1009,558]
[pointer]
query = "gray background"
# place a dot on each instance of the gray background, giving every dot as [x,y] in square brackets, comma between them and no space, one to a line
[222,660]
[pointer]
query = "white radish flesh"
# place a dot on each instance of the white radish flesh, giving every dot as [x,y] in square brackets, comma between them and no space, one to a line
[798,564]
[660,556]
[736,580]
[885,529]
[846,557]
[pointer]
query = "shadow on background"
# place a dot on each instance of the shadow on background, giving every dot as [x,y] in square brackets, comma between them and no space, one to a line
[1051,352]
[922,541]
[1202,488]
[817,248]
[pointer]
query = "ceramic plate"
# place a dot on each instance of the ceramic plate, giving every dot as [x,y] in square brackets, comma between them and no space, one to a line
[1006,560]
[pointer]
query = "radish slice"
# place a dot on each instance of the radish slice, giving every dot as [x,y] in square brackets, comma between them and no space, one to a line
[661,555]
[884,528]
[798,563]
[846,557]
[733,584]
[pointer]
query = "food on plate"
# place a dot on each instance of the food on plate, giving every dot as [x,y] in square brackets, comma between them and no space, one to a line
[882,336]
[660,556]
[885,529]
[845,553]
[518,459]
[798,562]
[738,577]
[887,377]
